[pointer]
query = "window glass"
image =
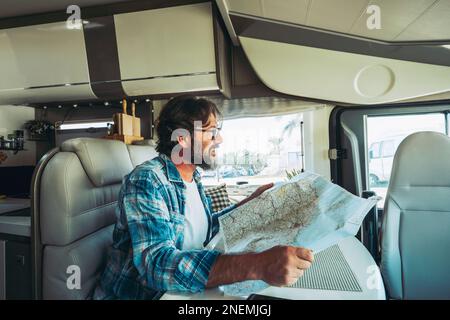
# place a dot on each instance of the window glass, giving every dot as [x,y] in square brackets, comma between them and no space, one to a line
[388,149]
[388,132]
[374,151]
[257,150]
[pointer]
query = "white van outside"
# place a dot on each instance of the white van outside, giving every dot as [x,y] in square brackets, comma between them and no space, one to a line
[381,156]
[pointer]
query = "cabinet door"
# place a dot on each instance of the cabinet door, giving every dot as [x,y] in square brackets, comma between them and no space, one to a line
[167,50]
[18,270]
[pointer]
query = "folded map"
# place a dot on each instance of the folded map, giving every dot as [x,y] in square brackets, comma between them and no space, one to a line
[307,211]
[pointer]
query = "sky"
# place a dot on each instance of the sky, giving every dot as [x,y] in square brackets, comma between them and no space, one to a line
[379,128]
[254,134]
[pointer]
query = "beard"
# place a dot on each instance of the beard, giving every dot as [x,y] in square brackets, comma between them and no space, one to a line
[208,158]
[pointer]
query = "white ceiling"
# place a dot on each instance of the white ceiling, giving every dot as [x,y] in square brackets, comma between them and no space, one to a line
[401,20]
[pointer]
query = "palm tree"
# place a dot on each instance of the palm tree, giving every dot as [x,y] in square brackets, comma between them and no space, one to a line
[292,124]
[276,144]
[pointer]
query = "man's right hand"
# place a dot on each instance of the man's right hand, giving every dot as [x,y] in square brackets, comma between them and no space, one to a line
[283,265]
[278,266]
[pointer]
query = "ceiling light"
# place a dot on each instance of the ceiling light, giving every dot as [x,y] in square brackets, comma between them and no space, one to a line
[85,125]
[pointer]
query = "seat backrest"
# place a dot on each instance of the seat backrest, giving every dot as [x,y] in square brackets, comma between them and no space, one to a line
[141,153]
[78,191]
[416,223]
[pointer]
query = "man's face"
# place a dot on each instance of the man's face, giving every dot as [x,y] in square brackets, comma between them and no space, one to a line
[209,136]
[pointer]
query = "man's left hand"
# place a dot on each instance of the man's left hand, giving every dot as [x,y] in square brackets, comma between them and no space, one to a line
[256,193]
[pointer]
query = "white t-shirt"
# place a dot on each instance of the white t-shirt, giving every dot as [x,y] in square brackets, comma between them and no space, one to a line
[196,222]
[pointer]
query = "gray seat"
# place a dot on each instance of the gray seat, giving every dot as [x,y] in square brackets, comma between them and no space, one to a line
[75,192]
[415,259]
[141,153]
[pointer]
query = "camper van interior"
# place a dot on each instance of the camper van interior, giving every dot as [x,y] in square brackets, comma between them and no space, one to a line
[354,91]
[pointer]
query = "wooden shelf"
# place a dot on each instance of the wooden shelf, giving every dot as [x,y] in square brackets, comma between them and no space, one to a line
[124,138]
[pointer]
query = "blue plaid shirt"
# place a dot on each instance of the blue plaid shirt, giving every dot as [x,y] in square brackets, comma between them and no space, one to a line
[147,257]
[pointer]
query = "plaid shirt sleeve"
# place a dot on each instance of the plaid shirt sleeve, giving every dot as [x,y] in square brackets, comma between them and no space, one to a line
[215,217]
[152,230]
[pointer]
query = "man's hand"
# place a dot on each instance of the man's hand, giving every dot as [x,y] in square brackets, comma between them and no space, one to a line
[283,265]
[256,193]
[278,266]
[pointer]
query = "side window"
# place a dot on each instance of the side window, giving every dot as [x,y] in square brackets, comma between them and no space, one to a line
[259,150]
[388,149]
[384,134]
[374,151]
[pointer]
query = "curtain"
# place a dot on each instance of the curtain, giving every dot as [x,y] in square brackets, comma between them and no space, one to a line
[261,107]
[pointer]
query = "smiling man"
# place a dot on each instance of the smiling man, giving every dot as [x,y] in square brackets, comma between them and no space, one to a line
[165,219]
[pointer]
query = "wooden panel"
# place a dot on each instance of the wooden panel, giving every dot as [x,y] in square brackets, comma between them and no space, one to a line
[124,138]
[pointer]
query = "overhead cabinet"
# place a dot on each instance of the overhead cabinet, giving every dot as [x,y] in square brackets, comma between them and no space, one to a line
[43,61]
[167,50]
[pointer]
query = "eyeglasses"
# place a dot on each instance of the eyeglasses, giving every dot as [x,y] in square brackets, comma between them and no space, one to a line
[214,131]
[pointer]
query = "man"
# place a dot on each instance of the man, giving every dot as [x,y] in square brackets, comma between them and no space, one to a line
[164,219]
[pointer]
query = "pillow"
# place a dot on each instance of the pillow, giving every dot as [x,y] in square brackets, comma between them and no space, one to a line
[219,197]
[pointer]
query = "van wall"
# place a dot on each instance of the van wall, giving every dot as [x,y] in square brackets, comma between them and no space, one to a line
[317,140]
[13,118]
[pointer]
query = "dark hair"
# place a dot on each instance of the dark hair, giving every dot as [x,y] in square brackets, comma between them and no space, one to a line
[180,113]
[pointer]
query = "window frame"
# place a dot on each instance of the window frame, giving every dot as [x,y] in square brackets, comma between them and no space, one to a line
[349,124]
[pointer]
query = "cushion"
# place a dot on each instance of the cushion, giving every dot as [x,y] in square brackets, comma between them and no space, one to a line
[219,197]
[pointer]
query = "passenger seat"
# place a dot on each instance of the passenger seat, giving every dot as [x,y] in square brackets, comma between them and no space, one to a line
[75,191]
[415,256]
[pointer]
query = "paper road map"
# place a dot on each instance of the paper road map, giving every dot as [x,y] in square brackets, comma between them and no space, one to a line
[307,211]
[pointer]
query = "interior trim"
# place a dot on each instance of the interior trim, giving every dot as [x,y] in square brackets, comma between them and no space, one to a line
[103,58]
[36,244]
[106,84]
[265,29]
[93,11]
[171,76]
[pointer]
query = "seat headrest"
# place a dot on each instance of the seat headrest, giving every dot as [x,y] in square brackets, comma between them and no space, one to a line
[420,177]
[141,153]
[105,161]
[422,160]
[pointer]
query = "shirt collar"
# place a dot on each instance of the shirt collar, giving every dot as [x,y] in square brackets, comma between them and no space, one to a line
[172,172]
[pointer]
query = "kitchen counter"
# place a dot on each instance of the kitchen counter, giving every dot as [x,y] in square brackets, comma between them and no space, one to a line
[10,223]
[9,205]
[14,225]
